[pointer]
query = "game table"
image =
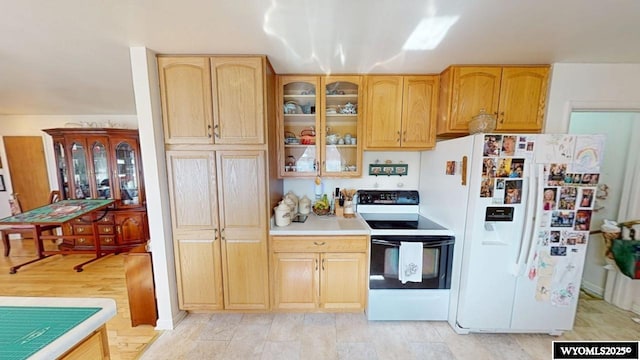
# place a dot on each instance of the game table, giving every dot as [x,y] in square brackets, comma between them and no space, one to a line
[58,214]
[54,328]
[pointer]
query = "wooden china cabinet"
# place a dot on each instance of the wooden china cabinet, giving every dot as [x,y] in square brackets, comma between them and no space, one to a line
[102,163]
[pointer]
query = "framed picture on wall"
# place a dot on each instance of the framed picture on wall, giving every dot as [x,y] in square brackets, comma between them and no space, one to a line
[2,187]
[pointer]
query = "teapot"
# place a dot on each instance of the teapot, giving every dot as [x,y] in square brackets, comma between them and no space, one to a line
[348,108]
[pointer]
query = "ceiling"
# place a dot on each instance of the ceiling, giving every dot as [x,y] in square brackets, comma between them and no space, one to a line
[70,57]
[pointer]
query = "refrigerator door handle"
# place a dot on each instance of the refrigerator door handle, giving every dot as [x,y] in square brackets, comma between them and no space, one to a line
[536,225]
[527,236]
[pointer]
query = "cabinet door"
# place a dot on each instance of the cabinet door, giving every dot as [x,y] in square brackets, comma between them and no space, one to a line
[131,227]
[199,273]
[419,111]
[61,167]
[185,90]
[523,93]
[78,155]
[238,100]
[383,114]
[194,220]
[341,126]
[474,88]
[127,185]
[343,280]
[243,222]
[100,165]
[295,280]
[298,113]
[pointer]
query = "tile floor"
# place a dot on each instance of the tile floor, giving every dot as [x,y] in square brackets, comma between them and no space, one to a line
[285,336]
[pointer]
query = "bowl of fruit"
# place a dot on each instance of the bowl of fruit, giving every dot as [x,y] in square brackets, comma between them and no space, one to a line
[322,207]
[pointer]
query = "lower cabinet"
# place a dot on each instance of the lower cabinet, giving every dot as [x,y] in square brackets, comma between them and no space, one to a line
[220,223]
[319,273]
[94,346]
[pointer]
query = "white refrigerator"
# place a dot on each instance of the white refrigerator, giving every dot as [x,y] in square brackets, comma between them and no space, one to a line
[520,206]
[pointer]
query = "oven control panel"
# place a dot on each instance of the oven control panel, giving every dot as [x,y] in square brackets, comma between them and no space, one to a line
[388,197]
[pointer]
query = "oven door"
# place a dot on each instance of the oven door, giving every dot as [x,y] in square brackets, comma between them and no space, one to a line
[437,260]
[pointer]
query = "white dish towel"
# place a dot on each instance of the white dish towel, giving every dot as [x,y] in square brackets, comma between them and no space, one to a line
[410,262]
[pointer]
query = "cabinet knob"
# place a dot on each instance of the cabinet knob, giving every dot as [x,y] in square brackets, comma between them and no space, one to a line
[222,234]
[215,131]
[398,137]
[322,264]
[318,244]
[316,264]
[404,136]
[209,131]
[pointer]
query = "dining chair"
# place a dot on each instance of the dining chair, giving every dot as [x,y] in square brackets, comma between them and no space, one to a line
[25,231]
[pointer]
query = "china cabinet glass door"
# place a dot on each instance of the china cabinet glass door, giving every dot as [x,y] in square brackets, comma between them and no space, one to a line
[80,182]
[298,147]
[61,159]
[127,173]
[101,170]
[342,126]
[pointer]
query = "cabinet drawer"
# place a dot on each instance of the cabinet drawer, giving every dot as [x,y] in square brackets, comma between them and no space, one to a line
[84,241]
[319,243]
[107,240]
[106,229]
[82,229]
[86,220]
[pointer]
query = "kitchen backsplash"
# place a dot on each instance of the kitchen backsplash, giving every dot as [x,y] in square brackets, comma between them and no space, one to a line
[410,182]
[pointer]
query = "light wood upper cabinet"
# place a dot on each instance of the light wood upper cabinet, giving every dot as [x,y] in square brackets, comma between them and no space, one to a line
[516,95]
[213,100]
[401,112]
[523,95]
[185,90]
[420,96]
[238,100]
[463,92]
[319,126]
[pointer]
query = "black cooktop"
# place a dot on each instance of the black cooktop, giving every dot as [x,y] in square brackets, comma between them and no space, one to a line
[400,222]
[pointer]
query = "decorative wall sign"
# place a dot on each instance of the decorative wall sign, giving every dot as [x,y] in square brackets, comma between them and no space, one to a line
[388,169]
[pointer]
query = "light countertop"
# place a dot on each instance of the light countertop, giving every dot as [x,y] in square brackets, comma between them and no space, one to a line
[323,225]
[65,342]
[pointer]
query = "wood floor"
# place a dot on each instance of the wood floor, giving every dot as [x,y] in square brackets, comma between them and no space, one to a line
[55,276]
[289,336]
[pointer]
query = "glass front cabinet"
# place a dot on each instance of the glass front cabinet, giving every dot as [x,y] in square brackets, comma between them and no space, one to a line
[102,163]
[319,126]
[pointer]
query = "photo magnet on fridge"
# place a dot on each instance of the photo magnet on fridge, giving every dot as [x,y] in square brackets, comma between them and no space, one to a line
[558,251]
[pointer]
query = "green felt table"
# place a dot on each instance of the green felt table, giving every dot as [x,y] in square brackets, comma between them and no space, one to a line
[24,330]
[58,212]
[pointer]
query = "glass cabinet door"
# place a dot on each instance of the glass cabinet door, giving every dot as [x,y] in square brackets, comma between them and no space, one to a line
[298,150]
[127,172]
[341,148]
[61,162]
[101,169]
[80,183]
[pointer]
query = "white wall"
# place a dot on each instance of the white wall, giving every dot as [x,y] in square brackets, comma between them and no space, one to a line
[148,107]
[591,87]
[32,126]
[618,127]
[410,182]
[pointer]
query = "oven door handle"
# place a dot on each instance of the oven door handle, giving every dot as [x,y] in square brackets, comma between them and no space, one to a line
[427,244]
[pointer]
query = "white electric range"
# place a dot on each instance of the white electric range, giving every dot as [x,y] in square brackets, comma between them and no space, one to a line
[393,219]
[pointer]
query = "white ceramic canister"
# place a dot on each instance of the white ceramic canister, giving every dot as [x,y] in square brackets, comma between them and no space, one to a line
[291,205]
[305,205]
[282,214]
[291,195]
